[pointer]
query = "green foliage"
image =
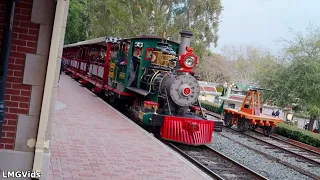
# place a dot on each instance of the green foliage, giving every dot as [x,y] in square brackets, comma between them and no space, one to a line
[296,80]
[298,134]
[77,24]
[127,19]
[217,108]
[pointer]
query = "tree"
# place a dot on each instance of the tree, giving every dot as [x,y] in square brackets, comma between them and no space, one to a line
[244,63]
[137,17]
[212,68]
[77,24]
[298,79]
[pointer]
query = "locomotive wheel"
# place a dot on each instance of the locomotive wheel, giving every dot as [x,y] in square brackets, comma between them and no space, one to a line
[253,127]
[268,130]
[242,125]
[112,97]
[228,120]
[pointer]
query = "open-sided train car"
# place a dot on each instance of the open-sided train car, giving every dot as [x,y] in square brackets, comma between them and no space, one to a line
[150,76]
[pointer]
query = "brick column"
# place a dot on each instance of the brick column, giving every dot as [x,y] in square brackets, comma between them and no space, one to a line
[27,68]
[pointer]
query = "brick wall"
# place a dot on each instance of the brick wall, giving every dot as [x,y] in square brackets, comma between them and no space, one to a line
[24,40]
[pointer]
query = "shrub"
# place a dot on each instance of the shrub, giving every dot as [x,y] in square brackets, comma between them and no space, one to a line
[298,134]
[212,106]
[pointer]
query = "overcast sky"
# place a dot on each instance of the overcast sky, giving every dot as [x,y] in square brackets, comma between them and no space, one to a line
[262,22]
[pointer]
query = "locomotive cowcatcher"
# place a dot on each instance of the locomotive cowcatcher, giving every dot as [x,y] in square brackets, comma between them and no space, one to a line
[150,76]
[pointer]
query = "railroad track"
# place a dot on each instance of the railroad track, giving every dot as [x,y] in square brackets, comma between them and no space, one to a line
[215,164]
[309,155]
[298,148]
[309,158]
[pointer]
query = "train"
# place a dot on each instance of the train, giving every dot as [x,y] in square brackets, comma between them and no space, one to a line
[150,76]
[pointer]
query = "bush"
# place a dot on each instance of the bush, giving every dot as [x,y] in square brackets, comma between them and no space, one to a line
[298,134]
[212,106]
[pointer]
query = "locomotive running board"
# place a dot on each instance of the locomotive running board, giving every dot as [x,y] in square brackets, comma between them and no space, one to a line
[139,91]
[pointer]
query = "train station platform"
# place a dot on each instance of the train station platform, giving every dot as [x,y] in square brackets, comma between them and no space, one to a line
[92,140]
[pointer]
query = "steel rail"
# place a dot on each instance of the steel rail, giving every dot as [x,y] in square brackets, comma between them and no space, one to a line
[285,149]
[296,168]
[290,143]
[236,168]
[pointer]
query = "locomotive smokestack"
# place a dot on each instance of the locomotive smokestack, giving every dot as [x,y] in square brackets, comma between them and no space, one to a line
[185,41]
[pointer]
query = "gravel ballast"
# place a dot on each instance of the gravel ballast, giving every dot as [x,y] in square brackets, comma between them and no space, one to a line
[254,161]
[273,152]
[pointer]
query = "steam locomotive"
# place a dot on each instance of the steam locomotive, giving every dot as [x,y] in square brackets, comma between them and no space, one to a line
[150,76]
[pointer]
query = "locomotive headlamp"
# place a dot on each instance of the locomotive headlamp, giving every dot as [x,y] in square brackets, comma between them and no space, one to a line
[189,61]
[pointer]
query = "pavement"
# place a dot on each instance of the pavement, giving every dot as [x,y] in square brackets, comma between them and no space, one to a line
[92,140]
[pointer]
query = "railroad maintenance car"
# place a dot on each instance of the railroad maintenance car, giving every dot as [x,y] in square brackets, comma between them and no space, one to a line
[150,76]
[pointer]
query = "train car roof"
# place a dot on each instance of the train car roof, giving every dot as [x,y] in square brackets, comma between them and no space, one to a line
[97,41]
[145,37]
[104,40]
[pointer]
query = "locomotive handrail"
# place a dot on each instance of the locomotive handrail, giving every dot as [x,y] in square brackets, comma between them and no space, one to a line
[260,89]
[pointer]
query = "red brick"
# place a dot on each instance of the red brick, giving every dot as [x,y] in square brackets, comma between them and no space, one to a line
[11,104]
[7,109]
[24,105]
[14,35]
[17,73]
[27,1]
[3,134]
[8,85]
[28,37]
[15,67]
[16,24]
[18,110]
[20,30]
[26,50]
[21,86]
[10,116]
[10,73]
[21,18]
[33,32]
[12,123]
[32,44]
[19,61]
[13,48]
[18,42]
[17,54]
[7,140]
[29,25]
[26,12]
[7,97]
[19,98]
[11,60]
[14,79]
[8,146]
[1,146]
[17,11]
[13,91]
[24,5]
[10,134]
[25,93]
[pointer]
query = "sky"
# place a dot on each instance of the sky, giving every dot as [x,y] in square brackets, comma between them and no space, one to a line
[262,23]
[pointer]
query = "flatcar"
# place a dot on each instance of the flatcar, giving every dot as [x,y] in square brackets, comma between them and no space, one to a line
[150,76]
